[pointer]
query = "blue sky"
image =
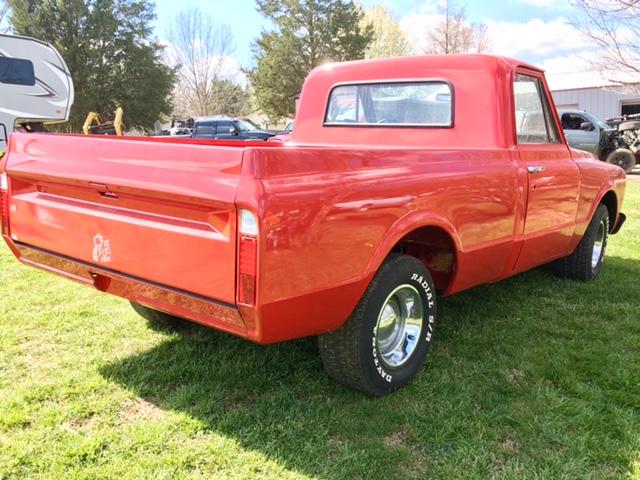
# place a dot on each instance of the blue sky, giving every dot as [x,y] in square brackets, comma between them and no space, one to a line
[246,23]
[536,31]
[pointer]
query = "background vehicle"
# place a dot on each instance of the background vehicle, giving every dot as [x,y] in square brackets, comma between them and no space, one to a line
[225,128]
[615,141]
[582,130]
[349,232]
[284,135]
[35,86]
[621,144]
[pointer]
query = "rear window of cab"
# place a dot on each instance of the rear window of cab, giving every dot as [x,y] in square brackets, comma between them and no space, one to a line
[391,104]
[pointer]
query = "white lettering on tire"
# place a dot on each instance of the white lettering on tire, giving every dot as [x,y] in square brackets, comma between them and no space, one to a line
[425,286]
[376,360]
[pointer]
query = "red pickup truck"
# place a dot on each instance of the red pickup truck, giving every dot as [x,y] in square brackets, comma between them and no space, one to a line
[404,179]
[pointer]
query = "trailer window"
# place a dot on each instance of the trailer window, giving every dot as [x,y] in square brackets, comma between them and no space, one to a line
[424,104]
[16,71]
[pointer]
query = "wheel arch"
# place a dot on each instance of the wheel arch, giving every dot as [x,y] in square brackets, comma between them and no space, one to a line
[431,239]
[610,200]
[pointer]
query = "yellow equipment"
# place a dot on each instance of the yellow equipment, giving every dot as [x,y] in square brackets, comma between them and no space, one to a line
[101,127]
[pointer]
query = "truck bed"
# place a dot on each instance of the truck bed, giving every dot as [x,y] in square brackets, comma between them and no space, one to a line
[131,205]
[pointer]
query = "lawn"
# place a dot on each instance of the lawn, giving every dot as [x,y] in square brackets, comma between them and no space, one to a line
[534,377]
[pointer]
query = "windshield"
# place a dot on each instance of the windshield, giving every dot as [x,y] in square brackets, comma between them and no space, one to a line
[246,126]
[600,123]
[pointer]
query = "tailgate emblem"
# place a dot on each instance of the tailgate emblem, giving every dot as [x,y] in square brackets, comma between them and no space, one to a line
[101,249]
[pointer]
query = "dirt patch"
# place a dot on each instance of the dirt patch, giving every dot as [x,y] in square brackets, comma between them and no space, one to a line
[140,408]
[510,445]
[514,376]
[397,439]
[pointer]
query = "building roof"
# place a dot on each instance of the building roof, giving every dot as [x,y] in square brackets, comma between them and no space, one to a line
[589,79]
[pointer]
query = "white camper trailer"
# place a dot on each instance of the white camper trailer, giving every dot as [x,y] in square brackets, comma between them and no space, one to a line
[35,85]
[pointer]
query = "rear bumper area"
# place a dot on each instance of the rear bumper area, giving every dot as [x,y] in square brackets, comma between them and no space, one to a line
[199,309]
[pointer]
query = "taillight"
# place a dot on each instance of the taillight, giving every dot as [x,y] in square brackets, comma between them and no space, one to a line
[4,202]
[247,257]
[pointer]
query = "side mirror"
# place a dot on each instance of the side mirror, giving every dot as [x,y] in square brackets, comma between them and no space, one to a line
[588,126]
[233,131]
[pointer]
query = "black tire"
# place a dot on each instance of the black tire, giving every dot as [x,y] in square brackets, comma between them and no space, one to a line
[624,158]
[158,320]
[354,355]
[581,264]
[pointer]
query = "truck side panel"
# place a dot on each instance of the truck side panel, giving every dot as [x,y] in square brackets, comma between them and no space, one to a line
[326,211]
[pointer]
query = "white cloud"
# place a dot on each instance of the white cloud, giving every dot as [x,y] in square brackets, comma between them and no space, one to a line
[553,45]
[555,4]
[230,69]
[577,71]
[537,38]
[416,26]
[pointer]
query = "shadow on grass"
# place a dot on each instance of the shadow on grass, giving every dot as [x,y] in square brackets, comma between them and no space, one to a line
[522,379]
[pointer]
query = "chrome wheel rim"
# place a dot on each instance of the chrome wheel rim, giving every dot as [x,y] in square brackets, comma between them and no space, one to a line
[399,326]
[599,244]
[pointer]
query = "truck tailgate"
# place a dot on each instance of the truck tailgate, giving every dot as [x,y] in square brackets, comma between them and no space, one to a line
[155,210]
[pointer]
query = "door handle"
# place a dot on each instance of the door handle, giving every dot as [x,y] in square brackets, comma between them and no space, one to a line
[533,169]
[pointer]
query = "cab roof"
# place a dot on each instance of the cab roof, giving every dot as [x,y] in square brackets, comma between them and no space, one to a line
[481,98]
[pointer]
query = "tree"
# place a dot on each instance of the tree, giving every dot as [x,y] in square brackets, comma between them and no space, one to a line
[229,98]
[4,15]
[108,47]
[199,49]
[305,34]
[388,38]
[613,26]
[454,34]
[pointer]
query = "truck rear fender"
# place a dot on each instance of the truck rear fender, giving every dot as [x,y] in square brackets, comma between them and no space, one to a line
[428,237]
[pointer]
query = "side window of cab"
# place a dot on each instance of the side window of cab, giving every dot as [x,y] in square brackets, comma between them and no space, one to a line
[572,121]
[534,120]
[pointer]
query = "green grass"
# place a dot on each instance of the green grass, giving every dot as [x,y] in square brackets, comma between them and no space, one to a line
[534,377]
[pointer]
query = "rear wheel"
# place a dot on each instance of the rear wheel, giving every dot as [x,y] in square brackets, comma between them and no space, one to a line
[385,342]
[158,320]
[623,158]
[586,261]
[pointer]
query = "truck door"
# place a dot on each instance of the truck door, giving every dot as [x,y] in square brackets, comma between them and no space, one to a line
[553,177]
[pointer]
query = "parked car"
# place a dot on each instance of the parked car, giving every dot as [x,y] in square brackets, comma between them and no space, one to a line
[350,232]
[225,128]
[615,141]
[582,129]
[284,135]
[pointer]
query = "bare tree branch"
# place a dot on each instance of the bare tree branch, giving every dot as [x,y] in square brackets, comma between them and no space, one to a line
[4,16]
[454,34]
[200,47]
[613,26]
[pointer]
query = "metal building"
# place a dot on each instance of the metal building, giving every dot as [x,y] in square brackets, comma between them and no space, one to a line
[603,101]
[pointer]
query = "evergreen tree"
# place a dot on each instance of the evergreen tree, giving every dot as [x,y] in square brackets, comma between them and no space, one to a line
[305,34]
